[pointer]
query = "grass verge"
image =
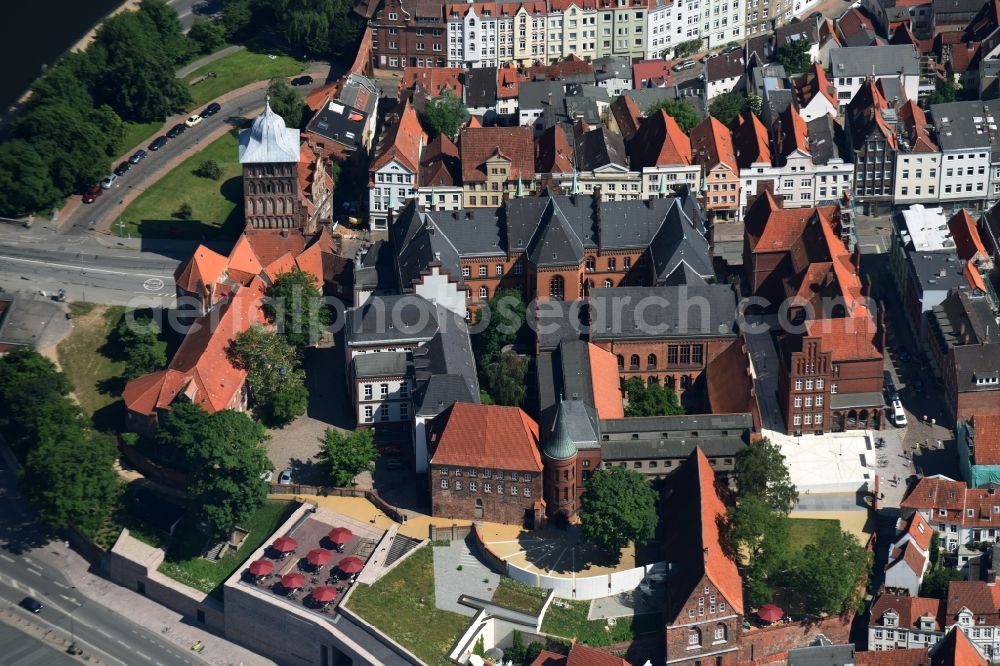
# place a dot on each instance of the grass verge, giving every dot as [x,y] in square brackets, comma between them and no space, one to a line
[518,596]
[401,604]
[214,203]
[568,620]
[237,70]
[184,563]
[86,359]
[803,531]
[138,133]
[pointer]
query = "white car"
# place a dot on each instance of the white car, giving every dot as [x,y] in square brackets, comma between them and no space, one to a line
[898,415]
[193,120]
[109,181]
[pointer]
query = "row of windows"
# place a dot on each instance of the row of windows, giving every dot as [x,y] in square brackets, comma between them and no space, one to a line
[809,401]
[487,488]
[383,390]
[383,412]
[500,474]
[820,384]
[497,269]
[807,419]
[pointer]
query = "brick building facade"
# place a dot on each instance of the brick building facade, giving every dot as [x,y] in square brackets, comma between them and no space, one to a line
[408,35]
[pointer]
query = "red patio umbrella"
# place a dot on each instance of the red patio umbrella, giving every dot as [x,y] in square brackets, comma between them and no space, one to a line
[340,535]
[350,565]
[293,581]
[262,568]
[324,594]
[285,544]
[770,613]
[318,557]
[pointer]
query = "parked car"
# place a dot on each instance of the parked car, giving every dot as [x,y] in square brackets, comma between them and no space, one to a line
[681,66]
[137,156]
[211,110]
[732,49]
[193,120]
[285,478]
[122,168]
[158,143]
[303,80]
[176,130]
[898,415]
[890,386]
[108,181]
[31,604]
[92,193]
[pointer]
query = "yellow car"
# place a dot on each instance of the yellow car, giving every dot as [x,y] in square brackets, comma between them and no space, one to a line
[193,120]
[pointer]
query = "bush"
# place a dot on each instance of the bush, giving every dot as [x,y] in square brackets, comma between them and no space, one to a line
[184,211]
[209,169]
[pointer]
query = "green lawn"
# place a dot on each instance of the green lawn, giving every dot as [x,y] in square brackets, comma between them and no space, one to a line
[808,530]
[401,604]
[518,596]
[87,359]
[237,70]
[568,620]
[185,564]
[214,203]
[138,133]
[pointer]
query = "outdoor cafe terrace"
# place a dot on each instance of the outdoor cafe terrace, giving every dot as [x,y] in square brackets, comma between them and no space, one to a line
[315,563]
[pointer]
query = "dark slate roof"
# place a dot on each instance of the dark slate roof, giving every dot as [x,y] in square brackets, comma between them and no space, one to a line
[973,361]
[392,318]
[961,129]
[946,7]
[886,60]
[647,97]
[578,421]
[777,103]
[445,368]
[376,270]
[658,448]
[929,266]
[539,94]
[674,436]
[821,655]
[385,364]
[707,310]
[612,67]
[480,87]
[556,321]
[555,242]
[827,140]
[598,148]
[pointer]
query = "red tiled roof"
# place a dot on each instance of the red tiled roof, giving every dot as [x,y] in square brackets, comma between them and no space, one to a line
[435,80]
[719,568]
[853,21]
[655,72]
[987,442]
[318,98]
[568,66]
[978,596]
[494,436]
[476,145]
[773,228]
[628,116]
[660,141]
[910,610]
[713,144]
[963,55]
[793,133]
[909,556]
[913,118]
[201,271]
[509,79]
[403,142]
[546,658]
[973,278]
[242,258]
[937,493]
[814,82]
[553,152]
[918,530]
[750,140]
[847,338]
[582,655]
[439,165]
[908,657]
[269,245]
[607,386]
[963,229]
[728,380]
[956,649]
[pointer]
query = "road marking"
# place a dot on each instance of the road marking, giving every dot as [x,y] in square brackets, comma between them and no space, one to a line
[144,656]
[104,633]
[37,573]
[72,600]
[123,643]
[7,559]
[28,560]
[65,587]
[78,268]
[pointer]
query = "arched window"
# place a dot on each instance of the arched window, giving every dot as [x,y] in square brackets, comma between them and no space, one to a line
[720,633]
[483,293]
[694,636]
[557,288]
[634,361]
[651,361]
[621,361]
[652,380]
[590,263]
[685,381]
[608,284]
[251,187]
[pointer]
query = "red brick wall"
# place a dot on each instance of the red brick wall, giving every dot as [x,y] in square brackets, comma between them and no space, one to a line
[705,622]
[406,38]
[760,644]
[560,476]
[664,372]
[497,507]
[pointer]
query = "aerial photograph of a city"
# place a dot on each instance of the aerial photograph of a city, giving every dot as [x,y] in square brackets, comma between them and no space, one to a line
[500,333]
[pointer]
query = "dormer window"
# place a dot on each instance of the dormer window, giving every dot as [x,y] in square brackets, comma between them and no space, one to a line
[921,529]
[889,619]
[942,512]
[970,512]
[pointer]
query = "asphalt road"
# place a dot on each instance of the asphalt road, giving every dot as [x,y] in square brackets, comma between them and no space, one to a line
[19,648]
[29,565]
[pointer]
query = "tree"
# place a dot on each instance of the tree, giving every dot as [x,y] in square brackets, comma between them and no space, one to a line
[651,400]
[236,17]
[209,169]
[936,580]
[32,399]
[184,211]
[687,48]
[139,342]
[756,104]
[795,56]
[295,304]
[520,654]
[831,573]
[444,115]
[286,102]
[679,110]
[182,427]
[618,507]
[945,91]
[71,479]
[347,454]
[507,319]
[727,106]
[505,379]
[761,472]
[758,537]
[226,461]
[208,36]
[272,373]
[25,183]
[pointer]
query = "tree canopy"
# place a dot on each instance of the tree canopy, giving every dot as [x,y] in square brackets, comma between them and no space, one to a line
[286,102]
[503,377]
[761,472]
[347,454]
[795,56]
[618,507]
[296,306]
[650,400]
[444,115]
[32,392]
[945,90]
[506,311]
[277,385]
[208,36]
[759,540]
[727,106]
[138,341]
[830,574]
[318,27]
[680,111]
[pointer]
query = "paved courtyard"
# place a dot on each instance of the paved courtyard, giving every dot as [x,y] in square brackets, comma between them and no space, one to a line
[456,572]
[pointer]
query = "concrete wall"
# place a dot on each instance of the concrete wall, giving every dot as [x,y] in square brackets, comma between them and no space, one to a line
[589,587]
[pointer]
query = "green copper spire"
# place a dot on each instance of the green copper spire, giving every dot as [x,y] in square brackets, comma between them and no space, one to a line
[560,446]
[520,187]
[663,184]
[576,186]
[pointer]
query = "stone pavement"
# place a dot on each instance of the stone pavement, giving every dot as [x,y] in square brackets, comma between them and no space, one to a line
[456,572]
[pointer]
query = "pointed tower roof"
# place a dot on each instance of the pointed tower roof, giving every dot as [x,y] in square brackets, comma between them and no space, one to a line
[268,140]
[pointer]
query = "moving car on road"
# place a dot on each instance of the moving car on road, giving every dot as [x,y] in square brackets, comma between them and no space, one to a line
[137,156]
[303,80]
[92,193]
[211,110]
[158,143]
[176,130]
[108,181]
[31,604]
[193,120]
[122,168]
[681,66]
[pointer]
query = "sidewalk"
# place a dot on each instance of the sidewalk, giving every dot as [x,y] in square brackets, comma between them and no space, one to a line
[172,626]
[201,62]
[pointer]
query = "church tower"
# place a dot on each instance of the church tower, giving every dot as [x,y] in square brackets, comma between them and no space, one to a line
[269,153]
[559,455]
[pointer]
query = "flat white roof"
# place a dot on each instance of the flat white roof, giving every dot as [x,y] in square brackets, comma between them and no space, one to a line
[927,228]
[840,462]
